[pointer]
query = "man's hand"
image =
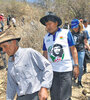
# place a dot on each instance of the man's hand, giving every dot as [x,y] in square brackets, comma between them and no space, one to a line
[76,71]
[43,94]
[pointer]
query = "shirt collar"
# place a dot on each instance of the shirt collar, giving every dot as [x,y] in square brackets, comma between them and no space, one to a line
[15,55]
[59,29]
[17,52]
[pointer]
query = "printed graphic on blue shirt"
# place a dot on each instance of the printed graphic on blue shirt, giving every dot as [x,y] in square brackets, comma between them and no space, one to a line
[56,52]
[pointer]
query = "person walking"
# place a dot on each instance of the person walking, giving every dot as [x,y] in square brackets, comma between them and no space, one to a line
[56,48]
[29,73]
[8,21]
[80,38]
[2,21]
[87,28]
[13,21]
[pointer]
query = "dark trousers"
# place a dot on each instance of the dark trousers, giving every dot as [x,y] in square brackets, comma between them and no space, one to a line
[33,96]
[61,86]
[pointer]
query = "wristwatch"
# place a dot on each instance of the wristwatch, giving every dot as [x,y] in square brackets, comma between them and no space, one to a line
[76,65]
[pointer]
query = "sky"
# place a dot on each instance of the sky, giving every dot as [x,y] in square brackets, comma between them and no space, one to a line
[29,0]
[32,1]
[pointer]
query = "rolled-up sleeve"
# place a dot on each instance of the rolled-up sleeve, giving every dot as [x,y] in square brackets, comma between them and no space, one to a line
[11,88]
[46,67]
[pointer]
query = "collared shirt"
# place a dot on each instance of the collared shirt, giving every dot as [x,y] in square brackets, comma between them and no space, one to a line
[27,73]
[57,46]
[88,34]
[69,38]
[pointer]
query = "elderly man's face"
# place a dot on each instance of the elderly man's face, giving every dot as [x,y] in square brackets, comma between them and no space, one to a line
[51,27]
[9,47]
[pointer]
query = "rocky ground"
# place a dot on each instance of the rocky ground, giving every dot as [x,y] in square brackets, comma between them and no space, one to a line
[77,92]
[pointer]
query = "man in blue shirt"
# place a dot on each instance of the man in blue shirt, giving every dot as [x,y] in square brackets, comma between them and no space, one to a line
[57,44]
[29,73]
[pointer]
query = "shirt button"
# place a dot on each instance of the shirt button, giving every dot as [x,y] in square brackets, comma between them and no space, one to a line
[16,73]
[21,92]
[18,83]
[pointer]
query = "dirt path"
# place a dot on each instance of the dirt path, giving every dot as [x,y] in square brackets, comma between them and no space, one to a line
[76,92]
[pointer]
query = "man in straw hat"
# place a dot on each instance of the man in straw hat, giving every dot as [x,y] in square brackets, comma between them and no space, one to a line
[29,73]
[56,46]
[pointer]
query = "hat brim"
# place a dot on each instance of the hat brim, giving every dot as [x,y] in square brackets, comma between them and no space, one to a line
[43,19]
[9,39]
[72,27]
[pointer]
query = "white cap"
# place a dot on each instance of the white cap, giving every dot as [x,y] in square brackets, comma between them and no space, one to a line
[2,14]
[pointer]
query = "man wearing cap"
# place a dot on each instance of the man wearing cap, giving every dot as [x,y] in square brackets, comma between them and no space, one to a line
[29,73]
[59,40]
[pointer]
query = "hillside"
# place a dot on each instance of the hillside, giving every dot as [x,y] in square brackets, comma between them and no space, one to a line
[31,31]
